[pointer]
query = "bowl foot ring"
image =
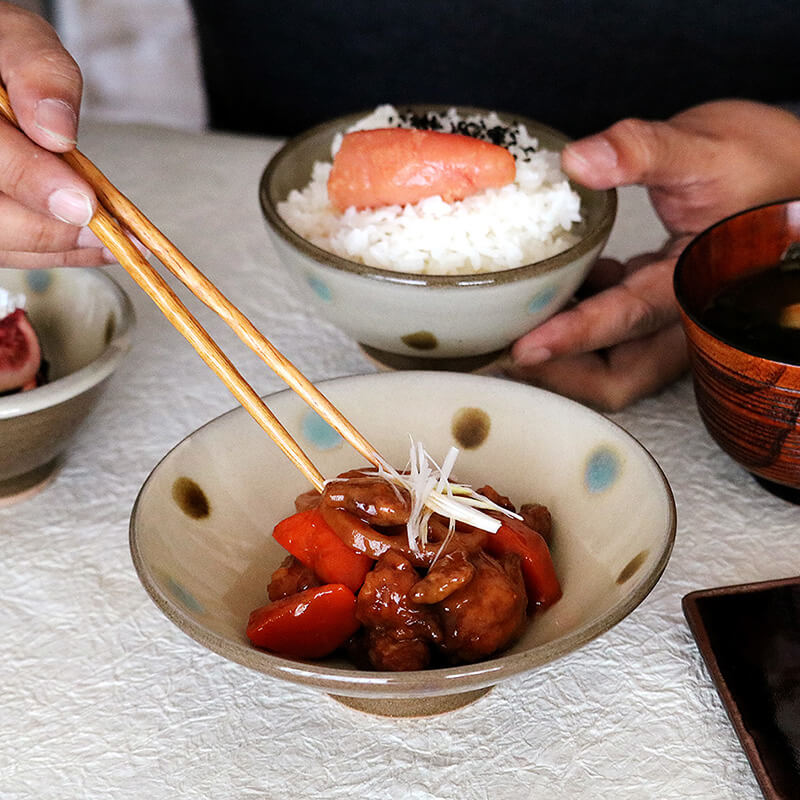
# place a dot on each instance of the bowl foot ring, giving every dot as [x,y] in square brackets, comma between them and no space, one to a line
[22,487]
[412,706]
[395,361]
[787,493]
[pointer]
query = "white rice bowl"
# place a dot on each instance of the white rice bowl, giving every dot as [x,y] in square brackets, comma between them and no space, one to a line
[526,221]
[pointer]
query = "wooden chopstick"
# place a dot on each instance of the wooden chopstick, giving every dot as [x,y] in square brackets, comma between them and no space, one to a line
[112,235]
[111,202]
[207,292]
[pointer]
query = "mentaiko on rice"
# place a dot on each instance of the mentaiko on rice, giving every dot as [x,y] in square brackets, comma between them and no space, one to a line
[525,221]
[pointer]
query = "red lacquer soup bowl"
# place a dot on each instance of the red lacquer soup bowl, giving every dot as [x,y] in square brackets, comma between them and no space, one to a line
[749,402]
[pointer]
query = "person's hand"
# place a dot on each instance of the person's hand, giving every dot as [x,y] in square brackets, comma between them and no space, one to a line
[44,206]
[624,340]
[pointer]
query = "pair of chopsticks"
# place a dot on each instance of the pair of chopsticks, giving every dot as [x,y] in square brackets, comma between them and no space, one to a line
[116,213]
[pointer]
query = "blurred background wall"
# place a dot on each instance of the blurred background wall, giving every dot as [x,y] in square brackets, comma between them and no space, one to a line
[139,58]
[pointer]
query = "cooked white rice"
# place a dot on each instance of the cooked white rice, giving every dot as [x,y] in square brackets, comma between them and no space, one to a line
[523,222]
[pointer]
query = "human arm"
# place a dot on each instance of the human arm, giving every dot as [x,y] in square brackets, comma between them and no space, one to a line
[624,340]
[44,205]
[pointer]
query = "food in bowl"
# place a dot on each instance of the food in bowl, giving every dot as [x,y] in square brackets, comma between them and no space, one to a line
[84,324]
[412,319]
[760,311]
[200,530]
[436,193]
[733,283]
[21,364]
[406,571]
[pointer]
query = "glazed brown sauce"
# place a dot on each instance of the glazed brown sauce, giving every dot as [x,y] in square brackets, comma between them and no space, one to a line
[746,313]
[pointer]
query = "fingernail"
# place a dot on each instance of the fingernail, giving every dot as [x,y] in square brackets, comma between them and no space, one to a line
[107,256]
[537,355]
[88,238]
[57,119]
[70,205]
[595,152]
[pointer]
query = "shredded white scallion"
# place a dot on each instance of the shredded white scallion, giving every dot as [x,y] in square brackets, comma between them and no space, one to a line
[432,492]
[10,302]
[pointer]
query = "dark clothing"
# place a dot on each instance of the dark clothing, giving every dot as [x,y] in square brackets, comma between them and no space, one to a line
[278,67]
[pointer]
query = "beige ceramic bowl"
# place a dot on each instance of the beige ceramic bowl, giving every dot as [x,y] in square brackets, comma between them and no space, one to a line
[409,315]
[201,527]
[84,321]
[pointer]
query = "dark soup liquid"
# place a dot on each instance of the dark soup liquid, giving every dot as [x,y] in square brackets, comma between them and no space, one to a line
[747,313]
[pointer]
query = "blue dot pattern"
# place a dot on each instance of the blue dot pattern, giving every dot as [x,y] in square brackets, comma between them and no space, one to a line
[185,598]
[541,300]
[320,289]
[602,469]
[319,433]
[38,280]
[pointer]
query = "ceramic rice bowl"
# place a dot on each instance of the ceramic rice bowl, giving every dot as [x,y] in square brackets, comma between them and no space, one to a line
[427,316]
[200,531]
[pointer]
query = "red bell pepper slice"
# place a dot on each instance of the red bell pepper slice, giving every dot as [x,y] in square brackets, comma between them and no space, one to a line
[311,540]
[538,572]
[310,624]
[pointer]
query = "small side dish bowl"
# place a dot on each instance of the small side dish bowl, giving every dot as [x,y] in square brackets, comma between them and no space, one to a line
[84,321]
[750,403]
[200,531]
[422,316]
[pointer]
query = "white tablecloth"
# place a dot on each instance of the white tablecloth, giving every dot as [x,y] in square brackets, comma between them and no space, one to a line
[102,697]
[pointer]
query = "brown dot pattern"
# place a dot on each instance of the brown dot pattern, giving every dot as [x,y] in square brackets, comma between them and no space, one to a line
[191,499]
[110,329]
[630,569]
[420,340]
[470,427]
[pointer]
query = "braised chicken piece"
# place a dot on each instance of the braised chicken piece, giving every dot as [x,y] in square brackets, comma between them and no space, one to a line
[442,541]
[369,497]
[487,613]
[500,499]
[398,630]
[447,575]
[401,597]
[537,517]
[396,650]
[291,577]
[308,500]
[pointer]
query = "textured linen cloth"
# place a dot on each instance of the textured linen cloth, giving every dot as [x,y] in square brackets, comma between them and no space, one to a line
[102,697]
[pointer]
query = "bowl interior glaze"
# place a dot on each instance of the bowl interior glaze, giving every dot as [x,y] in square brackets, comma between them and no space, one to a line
[200,529]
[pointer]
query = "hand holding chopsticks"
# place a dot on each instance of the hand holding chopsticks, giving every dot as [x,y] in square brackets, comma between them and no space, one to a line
[114,211]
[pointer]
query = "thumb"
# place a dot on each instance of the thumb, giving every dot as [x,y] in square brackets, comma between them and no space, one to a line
[634,151]
[42,80]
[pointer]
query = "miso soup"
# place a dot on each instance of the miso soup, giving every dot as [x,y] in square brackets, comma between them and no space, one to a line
[746,313]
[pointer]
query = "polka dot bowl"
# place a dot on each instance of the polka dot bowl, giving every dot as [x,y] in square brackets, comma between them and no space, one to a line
[84,321]
[201,527]
[399,315]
